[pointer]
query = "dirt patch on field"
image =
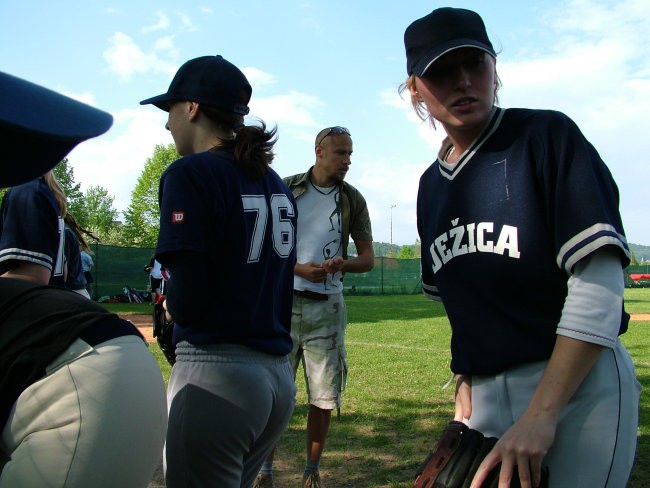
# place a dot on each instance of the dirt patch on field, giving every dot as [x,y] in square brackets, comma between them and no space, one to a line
[640,317]
[144,323]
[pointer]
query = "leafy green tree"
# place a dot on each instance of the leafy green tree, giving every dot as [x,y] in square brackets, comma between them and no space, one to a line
[101,216]
[64,173]
[406,252]
[115,236]
[141,219]
[417,249]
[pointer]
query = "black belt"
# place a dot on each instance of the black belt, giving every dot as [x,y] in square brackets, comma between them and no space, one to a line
[312,295]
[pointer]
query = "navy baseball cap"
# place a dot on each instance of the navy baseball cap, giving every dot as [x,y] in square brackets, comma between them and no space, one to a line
[209,80]
[443,30]
[38,127]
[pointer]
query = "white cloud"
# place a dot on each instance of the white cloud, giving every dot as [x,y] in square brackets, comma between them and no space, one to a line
[115,160]
[206,10]
[163,23]
[293,109]
[167,46]
[259,80]
[186,21]
[126,58]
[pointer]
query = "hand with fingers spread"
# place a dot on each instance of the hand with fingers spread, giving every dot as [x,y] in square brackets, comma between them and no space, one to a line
[520,451]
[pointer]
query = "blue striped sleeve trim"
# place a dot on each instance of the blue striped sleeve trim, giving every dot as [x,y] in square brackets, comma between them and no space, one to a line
[13,253]
[431,292]
[588,241]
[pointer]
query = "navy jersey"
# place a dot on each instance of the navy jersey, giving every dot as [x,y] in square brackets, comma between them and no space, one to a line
[75,276]
[502,229]
[244,232]
[31,229]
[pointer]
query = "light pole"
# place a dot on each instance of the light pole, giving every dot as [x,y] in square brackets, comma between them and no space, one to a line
[391,229]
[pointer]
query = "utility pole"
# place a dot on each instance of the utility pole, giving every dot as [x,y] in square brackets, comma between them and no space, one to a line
[391,230]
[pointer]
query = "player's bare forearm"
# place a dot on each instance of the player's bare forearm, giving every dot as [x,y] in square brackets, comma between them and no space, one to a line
[363,262]
[29,272]
[571,361]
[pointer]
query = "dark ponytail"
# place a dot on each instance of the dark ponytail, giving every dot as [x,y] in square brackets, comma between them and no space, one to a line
[253,148]
[252,145]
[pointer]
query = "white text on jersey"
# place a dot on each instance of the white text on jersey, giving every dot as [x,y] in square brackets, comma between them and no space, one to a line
[472,238]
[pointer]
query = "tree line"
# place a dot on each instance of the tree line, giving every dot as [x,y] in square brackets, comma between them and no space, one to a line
[95,211]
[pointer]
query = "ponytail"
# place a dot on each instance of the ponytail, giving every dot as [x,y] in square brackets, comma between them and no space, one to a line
[253,149]
[252,145]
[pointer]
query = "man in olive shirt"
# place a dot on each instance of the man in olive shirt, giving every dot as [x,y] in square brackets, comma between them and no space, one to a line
[330,211]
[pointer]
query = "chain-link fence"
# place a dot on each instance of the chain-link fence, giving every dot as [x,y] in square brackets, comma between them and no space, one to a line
[117,267]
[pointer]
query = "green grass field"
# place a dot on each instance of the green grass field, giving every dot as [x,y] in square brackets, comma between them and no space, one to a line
[394,406]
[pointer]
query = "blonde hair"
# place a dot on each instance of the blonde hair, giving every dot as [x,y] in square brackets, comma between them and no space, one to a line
[61,200]
[417,103]
[59,194]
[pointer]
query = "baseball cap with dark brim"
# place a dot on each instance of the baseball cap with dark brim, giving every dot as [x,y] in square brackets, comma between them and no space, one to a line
[39,127]
[209,80]
[442,31]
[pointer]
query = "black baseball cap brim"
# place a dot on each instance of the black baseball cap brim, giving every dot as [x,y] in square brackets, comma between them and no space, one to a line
[162,101]
[39,127]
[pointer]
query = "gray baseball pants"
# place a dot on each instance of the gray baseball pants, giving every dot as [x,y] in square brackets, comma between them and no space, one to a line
[596,436]
[228,405]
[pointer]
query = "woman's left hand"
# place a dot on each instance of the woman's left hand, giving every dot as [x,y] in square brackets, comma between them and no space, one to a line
[521,448]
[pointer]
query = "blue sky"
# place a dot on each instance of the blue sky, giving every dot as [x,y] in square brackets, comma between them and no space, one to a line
[315,64]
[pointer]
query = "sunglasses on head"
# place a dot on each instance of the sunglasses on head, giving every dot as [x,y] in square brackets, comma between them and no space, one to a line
[334,130]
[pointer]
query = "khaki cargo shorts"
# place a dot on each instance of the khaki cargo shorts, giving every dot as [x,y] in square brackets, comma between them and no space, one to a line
[318,331]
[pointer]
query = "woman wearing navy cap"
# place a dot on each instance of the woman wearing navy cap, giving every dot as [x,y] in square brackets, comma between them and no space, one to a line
[227,237]
[523,242]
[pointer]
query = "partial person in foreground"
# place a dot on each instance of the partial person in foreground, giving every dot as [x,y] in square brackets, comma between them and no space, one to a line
[224,213]
[523,242]
[83,400]
[330,211]
[87,266]
[155,278]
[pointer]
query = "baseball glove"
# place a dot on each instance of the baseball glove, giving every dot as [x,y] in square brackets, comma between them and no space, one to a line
[457,456]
